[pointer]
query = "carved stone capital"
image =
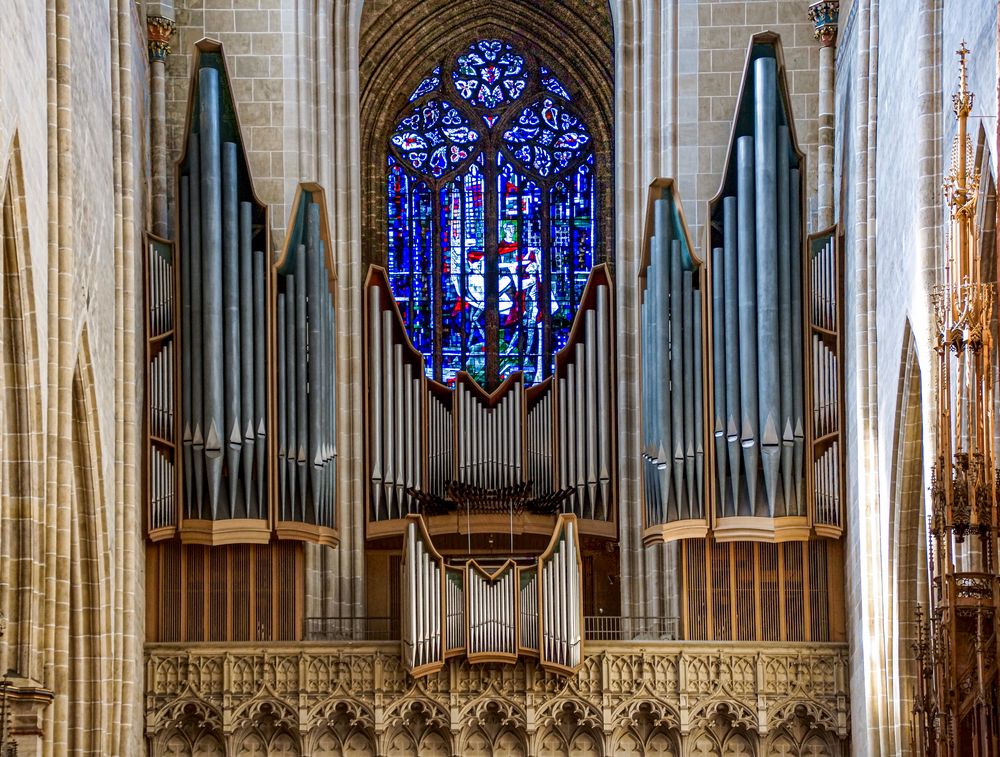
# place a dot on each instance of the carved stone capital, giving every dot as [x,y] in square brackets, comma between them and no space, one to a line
[27,700]
[825,15]
[159,31]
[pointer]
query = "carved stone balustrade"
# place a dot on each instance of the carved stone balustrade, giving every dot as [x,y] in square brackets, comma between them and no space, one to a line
[654,698]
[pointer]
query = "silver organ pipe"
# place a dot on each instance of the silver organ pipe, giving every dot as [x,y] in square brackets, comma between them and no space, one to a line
[561,599]
[757,350]
[162,451]
[673,433]
[222,349]
[491,614]
[826,382]
[552,443]
[492,624]
[305,337]
[409,428]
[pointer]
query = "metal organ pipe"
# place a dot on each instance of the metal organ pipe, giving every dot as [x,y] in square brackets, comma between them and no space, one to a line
[246,353]
[211,230]
[747,317]
[796,315]
[784,275]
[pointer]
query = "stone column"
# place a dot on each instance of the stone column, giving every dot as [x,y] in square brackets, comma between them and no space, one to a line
[159,29]
[825,15]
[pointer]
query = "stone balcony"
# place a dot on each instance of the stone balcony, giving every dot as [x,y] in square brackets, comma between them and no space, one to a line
[320,699]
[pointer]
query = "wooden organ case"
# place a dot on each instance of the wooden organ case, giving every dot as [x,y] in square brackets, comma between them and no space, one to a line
[741,387]
[489,513]
[241,425]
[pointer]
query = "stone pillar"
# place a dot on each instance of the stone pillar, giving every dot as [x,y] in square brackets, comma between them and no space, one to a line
[159,29]
[825,15]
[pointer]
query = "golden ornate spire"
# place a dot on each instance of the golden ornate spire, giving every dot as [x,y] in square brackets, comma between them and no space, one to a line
[956,699]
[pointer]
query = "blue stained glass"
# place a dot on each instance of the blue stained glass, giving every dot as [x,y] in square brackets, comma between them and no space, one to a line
[546,138]
[463,276]
[552,84]
[429,84]
[541,187]
[572,227]
[434,138]
[490,74]
[411,239]
[519,253]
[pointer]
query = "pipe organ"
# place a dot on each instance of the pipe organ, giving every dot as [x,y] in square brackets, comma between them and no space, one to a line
[491,613]
[671,314]
[517,451]
[214,473]
[827,392]
[160,485]
[741,392]
[306,397]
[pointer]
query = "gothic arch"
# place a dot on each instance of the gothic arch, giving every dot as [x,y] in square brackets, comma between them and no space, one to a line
[907,534]
[90,712]
[398,38]
[20,428]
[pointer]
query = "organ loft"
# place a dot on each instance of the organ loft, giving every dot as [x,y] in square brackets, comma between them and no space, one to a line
[499,378]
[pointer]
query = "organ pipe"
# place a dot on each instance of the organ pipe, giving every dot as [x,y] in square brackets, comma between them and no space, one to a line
[735,358]
[759,363]
[220,480]
[492,612]
[161,450]
[540,447]
[305,338]
[671,283]
[222,346]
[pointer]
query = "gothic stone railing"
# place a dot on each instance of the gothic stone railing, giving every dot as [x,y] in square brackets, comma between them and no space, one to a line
[663,698]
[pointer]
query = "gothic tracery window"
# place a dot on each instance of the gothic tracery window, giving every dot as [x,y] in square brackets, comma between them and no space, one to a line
[491,213]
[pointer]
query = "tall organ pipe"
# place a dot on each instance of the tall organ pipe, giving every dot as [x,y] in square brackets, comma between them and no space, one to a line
[195,345]
[247,302]
[185,330]
[259,391]
[375,397]
[677,377]
[313,368]
[730,248]
[768,380]
[798,381]
[231,323]
[747,314]
[212,274]
[293,397]
[604,408]
[720,386]
[282,411]
[661,390]
[785,322]
[687,303]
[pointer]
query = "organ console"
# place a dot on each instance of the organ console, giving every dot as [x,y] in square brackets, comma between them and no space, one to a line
[740,374]
[491,613]
[476,461]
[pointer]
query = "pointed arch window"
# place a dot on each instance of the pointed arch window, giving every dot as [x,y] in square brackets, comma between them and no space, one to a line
[492,228]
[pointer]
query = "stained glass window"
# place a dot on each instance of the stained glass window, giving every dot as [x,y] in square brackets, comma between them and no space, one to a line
[491,214]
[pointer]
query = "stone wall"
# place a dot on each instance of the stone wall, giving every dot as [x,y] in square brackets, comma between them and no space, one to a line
[660,699]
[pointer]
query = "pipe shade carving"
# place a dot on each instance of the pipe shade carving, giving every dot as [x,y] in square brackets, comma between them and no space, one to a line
[671,282]
[521,454]
[492,613]
[306,390]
